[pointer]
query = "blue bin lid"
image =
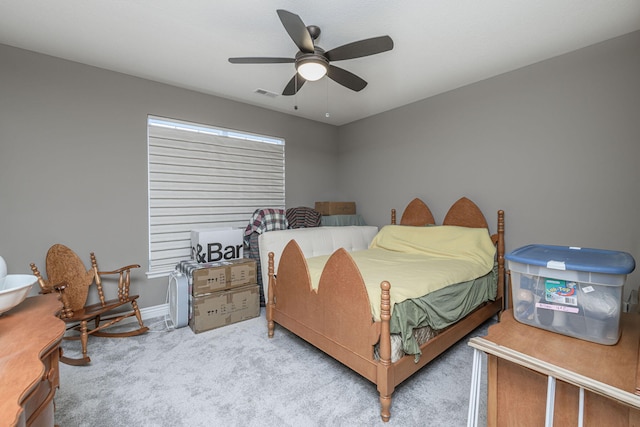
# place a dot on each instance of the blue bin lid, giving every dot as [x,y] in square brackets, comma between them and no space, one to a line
[572,258]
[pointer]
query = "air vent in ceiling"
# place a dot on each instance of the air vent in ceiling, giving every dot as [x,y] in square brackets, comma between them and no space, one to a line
[266,93]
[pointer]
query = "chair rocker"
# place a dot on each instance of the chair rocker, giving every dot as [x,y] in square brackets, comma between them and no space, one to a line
[67,276]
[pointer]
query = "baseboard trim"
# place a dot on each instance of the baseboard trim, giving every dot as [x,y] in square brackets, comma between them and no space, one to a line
[155,311]
[147,313]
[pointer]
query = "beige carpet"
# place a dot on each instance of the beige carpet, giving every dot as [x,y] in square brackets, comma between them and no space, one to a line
[236,376]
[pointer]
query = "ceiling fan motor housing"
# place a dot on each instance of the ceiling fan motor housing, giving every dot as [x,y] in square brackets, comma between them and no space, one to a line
[314,31]
[312,66]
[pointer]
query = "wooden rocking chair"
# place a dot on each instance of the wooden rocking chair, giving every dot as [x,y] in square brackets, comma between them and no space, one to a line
[67,276]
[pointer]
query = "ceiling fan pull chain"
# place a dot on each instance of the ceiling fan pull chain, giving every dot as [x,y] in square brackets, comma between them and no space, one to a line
[295,88]
[327,115]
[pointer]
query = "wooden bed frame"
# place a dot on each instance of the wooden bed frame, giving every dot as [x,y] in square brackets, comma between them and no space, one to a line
[337,318]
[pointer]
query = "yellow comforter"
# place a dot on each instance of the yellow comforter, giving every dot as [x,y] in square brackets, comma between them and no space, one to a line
[417,260]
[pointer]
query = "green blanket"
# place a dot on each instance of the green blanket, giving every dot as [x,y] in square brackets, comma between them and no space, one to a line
[441,308]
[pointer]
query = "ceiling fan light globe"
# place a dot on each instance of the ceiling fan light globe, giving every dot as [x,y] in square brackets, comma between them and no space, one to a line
[312,70]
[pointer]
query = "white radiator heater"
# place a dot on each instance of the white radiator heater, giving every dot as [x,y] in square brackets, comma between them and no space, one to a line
[178,299]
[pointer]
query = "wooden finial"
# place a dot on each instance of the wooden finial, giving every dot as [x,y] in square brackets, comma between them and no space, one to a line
[385,317]
[270,324]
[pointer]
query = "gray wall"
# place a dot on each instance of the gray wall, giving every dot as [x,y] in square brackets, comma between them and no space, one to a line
[73,155]
[556,145]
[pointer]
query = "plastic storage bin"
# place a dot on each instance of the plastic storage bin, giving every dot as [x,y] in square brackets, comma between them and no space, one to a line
[568,290]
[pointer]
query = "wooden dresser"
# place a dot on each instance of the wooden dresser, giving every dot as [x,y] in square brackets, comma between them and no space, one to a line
[538,378]
[30,336]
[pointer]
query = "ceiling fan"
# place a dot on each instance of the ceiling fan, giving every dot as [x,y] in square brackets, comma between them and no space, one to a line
[312,62]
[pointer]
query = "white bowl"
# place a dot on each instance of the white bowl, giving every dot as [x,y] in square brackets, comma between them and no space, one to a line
[14,288]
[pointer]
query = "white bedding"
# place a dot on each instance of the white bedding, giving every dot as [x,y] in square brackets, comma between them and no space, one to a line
[313,242]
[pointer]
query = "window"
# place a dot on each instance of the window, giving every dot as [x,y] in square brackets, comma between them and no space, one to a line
[205,177]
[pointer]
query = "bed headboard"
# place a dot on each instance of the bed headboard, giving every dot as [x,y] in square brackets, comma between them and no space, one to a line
[326,240]
[313,242]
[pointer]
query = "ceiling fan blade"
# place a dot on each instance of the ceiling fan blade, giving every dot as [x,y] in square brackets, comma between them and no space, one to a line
[360,48]
[261,60]
[297,30]
[294,85]
[346,78]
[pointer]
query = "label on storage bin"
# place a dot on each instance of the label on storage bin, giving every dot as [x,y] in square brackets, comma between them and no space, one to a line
[556,265]
[557,307]
[559,291]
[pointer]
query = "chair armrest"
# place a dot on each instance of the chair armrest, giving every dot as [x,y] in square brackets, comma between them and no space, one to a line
[124,280]
[120,270]
[45,286]
[58,287]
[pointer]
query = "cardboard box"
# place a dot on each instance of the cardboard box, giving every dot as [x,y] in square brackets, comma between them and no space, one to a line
[336,208]
[224,308]
[217,276]
[216,244]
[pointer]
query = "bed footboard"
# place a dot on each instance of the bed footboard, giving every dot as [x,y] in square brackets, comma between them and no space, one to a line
[333,317]
[339,309]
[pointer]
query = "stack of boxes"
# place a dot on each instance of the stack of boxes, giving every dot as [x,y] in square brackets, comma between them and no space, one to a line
[221,292]
[336,208]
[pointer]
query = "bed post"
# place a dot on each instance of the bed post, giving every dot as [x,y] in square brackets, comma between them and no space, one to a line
[270,303]
[393,217]
[385,381]
[502,288]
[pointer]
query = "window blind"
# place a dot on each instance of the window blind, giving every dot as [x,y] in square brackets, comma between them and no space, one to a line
[203,177]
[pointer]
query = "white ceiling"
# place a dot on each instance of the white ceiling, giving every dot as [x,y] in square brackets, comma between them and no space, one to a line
[439,45]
